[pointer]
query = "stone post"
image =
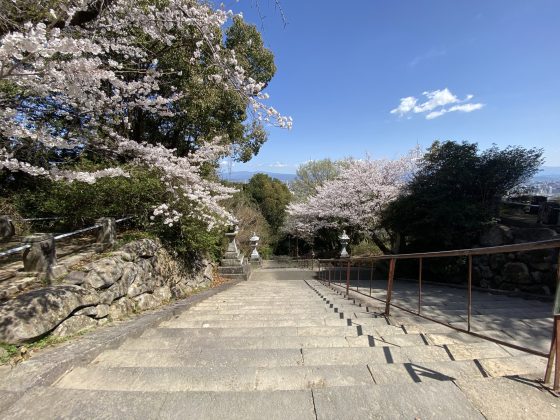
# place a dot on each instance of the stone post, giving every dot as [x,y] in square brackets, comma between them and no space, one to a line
[106,233]
[344,239]
[7,229]
[41,256]
[232,253]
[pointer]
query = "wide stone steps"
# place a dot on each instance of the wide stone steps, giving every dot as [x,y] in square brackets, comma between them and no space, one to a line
[277,349]
[219,379]
[61,403]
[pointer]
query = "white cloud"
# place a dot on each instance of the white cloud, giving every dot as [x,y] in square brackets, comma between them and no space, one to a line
[436,99]
[435,114]
[407,104]
[437,103]
[466,107]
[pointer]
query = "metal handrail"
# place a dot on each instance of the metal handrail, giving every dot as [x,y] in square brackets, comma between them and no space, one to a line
[331,271]
[528,246]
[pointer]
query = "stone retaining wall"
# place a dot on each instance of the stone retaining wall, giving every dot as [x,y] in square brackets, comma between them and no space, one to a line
[530,272]
[139,276]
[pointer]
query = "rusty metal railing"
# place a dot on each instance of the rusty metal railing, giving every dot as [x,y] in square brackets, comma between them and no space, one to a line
[338,272]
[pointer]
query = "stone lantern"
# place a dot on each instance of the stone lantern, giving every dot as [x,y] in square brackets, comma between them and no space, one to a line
[344,239]
[254,241]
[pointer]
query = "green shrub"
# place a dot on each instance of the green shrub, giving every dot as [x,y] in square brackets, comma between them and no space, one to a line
[81,203]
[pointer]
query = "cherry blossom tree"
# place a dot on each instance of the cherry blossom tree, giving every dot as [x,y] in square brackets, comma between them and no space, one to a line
[354,199]
[71,80]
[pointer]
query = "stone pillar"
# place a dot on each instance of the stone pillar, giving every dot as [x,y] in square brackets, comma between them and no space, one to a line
[41,256]
[232,253]
[106,233]
[7,229]
[233,264]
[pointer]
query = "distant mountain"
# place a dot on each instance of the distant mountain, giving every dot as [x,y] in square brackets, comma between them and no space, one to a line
[548,173]
[245,176]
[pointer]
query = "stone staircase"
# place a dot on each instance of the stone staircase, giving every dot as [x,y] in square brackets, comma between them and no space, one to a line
[284,346]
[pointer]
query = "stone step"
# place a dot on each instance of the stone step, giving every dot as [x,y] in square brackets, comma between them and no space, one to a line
[95,404]
[253,332]
[176,323]
[177,379]
[271,342]
[261,309]
[214,358]
[395,354]
[433,400]
[425,371]
[294,322]
[386,364]
[510,398]
[194,316]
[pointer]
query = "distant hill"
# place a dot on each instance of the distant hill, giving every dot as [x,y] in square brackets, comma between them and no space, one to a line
[548,173]
[244,176]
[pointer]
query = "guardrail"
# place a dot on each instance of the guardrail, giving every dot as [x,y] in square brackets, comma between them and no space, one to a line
[58,237]
[39,254]
[338,272]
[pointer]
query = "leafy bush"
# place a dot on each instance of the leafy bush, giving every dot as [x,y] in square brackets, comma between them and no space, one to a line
[81,203]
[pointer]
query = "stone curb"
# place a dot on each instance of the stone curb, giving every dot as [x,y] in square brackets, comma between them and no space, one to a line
[47,367]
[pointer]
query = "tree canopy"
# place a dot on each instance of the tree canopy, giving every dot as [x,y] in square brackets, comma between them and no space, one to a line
[150,83]
[455,193]
[353,200]
[272,196]
[312,175]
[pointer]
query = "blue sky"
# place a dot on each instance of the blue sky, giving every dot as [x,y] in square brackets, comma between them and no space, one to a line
[344,66]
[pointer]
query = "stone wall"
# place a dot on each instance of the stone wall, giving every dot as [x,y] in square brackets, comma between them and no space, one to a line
[530,272]
[141,275]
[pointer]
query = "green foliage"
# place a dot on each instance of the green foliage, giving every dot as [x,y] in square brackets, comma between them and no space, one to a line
[7,351]
[251,54]
[272,196]
[312,175]
[365,248]
[250,219]
[456,192]
[208,109]
[81,203]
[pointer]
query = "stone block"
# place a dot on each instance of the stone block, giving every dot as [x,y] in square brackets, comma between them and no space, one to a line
[104,273]
[146,301]
[33,314]
[516,273]
[121,308]
[73,325]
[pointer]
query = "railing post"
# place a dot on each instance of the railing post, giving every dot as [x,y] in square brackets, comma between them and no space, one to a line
[40,257]
[371,277]
[7,229]
[469,282]
[106,233]
[348,279]
[419,285]
[555,344]
[390,286]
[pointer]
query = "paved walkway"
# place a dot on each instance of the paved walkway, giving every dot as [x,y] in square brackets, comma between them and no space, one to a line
[284,346]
